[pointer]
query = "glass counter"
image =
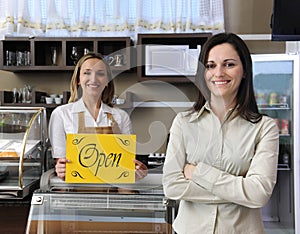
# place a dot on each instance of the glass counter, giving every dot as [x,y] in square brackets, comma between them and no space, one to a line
[22,150]
[59,207]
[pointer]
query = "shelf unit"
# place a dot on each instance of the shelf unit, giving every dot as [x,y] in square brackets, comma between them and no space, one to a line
[37,52]
[6,99]
[191,39]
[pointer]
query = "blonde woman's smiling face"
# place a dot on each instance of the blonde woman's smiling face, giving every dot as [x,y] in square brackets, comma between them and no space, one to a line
[224,72]
[93,77]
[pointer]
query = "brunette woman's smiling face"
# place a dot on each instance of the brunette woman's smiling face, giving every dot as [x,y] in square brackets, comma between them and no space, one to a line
[93,78]
[224,72]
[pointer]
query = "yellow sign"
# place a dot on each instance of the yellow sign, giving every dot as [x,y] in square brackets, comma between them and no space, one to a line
[100,158]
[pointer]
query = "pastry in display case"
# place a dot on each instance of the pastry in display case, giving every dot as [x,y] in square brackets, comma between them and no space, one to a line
[22,150]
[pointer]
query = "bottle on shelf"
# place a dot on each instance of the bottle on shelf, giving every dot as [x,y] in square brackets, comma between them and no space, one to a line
[284,127]
[284,155]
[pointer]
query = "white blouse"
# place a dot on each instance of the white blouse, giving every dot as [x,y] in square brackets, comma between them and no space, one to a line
[236,169]
[64,120]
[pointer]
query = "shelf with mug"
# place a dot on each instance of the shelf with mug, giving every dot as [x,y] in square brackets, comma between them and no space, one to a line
[37,99]
[58,54]
[117,51]
[126,102]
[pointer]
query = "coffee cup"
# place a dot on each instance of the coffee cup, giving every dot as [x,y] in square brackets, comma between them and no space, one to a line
[53,95]
[49,100]
[58,100]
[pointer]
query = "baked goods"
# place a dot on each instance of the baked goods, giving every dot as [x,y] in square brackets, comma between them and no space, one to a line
[8,154]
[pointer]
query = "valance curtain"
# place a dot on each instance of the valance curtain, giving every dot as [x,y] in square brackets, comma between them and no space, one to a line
[108,17]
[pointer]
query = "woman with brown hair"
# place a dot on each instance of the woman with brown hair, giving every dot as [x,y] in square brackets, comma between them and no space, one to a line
[221,160]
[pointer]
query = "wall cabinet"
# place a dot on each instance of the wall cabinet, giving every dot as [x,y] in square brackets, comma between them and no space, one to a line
[168,57]
[60,54]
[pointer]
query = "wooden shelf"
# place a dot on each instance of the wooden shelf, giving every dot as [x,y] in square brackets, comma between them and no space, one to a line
[6,99]
[36,52]
[128,101]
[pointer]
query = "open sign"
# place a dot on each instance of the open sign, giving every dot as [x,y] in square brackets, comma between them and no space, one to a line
[100,158]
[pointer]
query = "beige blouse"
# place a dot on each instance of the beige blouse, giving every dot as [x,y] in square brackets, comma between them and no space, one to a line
[235,174]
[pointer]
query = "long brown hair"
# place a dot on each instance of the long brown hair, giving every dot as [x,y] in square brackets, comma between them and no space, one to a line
[246,103]
[109,90]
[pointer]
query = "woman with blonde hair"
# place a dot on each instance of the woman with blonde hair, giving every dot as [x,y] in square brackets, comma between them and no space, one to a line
[90,110]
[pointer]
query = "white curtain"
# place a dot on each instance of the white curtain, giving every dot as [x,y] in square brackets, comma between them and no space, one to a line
[108,17]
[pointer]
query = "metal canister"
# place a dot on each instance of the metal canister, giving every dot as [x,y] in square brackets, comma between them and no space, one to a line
[283,99]
[273,99]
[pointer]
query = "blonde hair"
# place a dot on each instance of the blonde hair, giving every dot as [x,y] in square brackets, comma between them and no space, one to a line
[109,90]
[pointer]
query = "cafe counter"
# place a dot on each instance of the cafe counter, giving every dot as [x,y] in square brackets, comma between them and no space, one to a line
[88,208]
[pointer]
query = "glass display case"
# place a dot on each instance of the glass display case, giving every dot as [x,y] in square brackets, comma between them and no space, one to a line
[22,150]
[59,207]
